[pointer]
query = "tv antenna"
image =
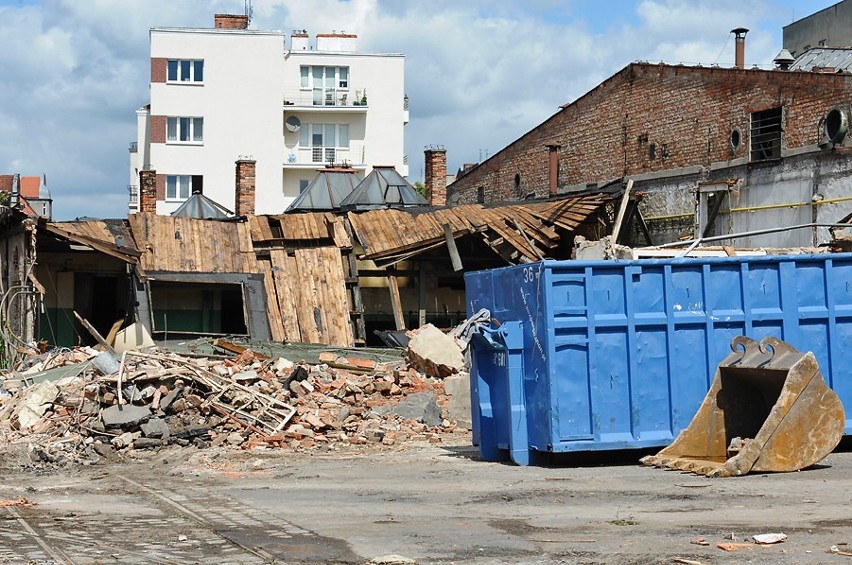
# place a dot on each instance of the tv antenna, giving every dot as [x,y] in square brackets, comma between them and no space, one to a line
[248,10]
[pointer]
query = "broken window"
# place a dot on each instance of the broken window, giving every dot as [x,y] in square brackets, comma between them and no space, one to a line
[766,134]
[179,187]
[194,308]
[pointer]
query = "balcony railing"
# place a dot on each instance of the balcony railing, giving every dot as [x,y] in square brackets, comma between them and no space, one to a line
[133,199]
[325,97]
[353,155]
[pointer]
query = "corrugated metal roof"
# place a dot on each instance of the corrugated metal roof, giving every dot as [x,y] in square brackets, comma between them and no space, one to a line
[839,59]
[326,191]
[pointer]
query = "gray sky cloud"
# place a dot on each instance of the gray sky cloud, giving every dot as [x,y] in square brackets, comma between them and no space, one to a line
[479,74]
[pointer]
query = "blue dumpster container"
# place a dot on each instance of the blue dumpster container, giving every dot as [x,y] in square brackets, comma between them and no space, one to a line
[605,355]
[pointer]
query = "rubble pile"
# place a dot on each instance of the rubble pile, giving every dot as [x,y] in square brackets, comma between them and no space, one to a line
[84,404]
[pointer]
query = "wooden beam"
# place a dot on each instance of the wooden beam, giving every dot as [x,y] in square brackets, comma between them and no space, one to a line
[421,295]
[396,303]
[451,247]
[95,334]
[622,207]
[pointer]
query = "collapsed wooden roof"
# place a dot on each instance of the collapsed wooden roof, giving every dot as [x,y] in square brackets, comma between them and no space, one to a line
[519,232]
[190,245]
[307,260]
[111,237]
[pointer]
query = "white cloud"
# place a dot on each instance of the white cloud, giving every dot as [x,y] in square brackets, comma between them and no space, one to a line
[479,73]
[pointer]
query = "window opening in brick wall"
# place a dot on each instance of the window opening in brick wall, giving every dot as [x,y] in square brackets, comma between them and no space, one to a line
[517,181]
[736,140]
[184,130]
[185,70]
[766,134]
[480,194]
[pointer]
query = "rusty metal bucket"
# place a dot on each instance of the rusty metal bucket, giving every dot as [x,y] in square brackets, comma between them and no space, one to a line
[768,409]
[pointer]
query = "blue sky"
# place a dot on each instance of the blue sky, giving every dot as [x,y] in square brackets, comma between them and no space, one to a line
[479,73]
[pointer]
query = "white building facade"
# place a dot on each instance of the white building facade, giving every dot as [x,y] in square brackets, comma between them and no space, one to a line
[228,93]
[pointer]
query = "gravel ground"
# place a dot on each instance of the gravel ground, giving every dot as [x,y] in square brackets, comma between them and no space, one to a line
[427,503]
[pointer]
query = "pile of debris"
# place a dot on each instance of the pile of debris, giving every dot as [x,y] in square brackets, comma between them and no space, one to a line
[84,404]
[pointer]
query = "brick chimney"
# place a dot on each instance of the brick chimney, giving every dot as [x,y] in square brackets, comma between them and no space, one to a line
[436,176]
[244,205]
[553,169]
[230,21]
[739,50]
[148,190]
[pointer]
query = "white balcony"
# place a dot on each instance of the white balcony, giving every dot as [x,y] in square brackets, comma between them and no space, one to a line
[325,100]
[316,157]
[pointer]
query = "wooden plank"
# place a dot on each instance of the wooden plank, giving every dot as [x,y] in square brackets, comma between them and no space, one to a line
[286,297]
[453,250]
[616,229]
[336,303]
[310,323]
[396,303]
[276,326]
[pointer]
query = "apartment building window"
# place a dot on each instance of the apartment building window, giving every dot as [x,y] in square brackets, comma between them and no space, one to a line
[330,85]
[766,134]
[179,187]
[184,130]
[185,70]
[324,141]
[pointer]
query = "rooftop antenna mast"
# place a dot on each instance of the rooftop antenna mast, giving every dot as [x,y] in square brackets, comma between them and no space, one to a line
[248,10]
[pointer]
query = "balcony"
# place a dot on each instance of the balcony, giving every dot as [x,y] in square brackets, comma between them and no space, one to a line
[134,146]
[325,100]
[133,199]
[405,109]
[317,157]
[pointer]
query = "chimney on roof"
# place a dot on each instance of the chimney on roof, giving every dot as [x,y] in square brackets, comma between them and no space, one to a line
[230,21]
[148,190]
[436,176]
[299,40]
[244,205]
[739,49]
[553,168]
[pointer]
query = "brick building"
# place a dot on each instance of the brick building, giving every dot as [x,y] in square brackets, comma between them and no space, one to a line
[689,136]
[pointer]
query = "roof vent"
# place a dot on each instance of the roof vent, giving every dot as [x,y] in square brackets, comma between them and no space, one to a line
[783,60]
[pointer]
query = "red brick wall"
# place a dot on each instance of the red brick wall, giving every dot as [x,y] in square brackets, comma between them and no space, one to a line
[230,21]
[158,69]
[436,176]
[158,129]
[245,187]
[148,190]
[686,113]
[161,187]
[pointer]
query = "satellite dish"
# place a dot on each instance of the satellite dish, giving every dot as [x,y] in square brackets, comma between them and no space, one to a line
[293,123]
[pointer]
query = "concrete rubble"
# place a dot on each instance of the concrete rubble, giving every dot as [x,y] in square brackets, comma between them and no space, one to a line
[83,405]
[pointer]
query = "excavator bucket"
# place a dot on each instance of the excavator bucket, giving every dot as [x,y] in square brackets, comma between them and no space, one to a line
[768,409]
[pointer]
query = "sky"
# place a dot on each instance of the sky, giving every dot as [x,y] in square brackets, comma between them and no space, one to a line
[478,73]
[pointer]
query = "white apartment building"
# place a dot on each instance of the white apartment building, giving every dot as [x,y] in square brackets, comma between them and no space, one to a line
[228,93]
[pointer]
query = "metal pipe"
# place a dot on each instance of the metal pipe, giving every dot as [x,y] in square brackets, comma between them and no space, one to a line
[747,234]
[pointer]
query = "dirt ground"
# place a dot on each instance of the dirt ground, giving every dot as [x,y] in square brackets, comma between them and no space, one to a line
[426,503]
